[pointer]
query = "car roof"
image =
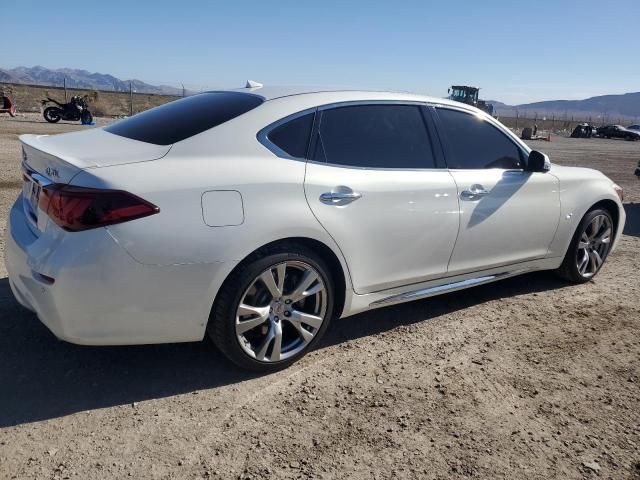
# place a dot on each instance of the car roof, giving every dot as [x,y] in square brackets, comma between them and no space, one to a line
[273,92]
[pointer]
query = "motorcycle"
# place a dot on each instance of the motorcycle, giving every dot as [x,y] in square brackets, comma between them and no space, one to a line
[76,109]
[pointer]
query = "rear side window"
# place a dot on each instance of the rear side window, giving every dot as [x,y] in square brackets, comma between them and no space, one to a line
[475,143]
[374,136]
[293,136]
[181,119]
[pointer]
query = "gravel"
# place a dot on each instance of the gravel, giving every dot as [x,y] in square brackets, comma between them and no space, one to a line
[526,378]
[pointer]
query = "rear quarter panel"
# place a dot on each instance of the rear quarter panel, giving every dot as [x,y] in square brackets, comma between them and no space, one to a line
[226,158]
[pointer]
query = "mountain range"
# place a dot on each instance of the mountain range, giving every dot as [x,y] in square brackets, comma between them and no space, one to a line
[80,79]
[625,106]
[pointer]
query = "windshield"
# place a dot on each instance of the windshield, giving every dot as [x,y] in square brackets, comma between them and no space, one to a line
[184,118]
[463,95]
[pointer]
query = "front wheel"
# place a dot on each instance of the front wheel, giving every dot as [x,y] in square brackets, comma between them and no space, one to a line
[86,118]
[589,247]
[52,114]
[272,310]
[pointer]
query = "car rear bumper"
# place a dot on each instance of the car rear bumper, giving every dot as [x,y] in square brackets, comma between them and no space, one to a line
[102,296]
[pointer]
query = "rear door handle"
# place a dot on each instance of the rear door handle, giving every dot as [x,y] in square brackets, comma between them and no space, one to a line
[474,192]
[339,198]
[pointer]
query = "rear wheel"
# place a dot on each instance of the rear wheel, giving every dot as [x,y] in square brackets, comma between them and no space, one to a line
[273,310]
[589,247]
[52,114]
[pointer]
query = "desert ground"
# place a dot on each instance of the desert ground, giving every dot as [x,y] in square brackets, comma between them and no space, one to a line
[527,378]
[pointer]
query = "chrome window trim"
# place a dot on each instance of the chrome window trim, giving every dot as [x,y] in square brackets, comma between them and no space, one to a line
[263,134]
[524,149]
[351,103]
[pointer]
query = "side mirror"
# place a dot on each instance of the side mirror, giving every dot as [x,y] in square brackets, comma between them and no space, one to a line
[538,162]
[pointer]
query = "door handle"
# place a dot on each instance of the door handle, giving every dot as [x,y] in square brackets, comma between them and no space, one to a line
[474,192]
[339,198]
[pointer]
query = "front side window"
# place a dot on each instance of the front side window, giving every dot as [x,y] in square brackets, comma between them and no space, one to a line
[374,136]
[184,118]
[474,143]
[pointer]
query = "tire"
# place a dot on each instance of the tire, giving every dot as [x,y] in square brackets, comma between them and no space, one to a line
[86,118]
[248,336]
[590,243]
[52,114]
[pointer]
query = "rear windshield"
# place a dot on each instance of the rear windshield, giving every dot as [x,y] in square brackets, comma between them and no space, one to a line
[175,121]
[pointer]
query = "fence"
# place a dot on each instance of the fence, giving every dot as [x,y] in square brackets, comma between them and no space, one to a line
[29,98]
[560,122]
[109,102]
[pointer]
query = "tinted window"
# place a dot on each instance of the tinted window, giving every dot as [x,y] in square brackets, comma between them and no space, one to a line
[374,136]
[184,118]
[475,143]
[293,136]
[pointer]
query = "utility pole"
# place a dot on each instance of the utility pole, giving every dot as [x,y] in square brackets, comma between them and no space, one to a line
[182,89]
[64,81]
[130,99]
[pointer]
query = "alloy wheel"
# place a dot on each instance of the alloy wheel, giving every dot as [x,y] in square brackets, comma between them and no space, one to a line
[594,245]
[281,311]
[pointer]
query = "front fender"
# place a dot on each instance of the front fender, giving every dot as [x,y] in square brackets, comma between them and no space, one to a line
[580,190]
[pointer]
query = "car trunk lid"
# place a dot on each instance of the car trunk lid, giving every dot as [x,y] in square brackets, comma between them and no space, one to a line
[57,159]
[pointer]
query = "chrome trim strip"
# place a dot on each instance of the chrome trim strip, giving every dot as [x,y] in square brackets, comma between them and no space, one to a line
[263,135]
[447,287]
[32,176]
[40,180]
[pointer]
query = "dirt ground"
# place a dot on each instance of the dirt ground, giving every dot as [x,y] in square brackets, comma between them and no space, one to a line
[527,378]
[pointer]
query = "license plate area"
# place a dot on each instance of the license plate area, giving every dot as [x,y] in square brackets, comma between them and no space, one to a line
[31,191]
[31,194]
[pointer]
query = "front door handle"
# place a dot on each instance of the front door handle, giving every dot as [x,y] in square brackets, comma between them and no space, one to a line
[474,192]
[339,198]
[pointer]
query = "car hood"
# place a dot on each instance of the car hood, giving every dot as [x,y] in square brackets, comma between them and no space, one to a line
[563,172]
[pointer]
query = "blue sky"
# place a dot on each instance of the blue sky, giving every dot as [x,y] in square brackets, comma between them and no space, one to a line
[555,49]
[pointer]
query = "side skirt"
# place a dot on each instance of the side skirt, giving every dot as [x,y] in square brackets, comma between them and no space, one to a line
[440,289]
[360,303]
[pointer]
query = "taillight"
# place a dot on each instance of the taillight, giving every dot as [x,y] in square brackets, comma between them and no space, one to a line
[79,208]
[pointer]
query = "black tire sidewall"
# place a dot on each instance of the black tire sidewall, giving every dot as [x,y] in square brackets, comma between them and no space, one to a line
[54,116]
[221,327]
[86,118]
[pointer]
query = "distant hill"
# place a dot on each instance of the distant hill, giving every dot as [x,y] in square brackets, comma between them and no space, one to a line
[613,106]
[80,79]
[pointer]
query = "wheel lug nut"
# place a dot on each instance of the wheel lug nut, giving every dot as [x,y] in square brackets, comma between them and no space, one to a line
[287,302]
[287,314]
[276,318]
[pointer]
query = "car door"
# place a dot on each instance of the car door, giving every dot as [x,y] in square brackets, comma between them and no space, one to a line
[374,183]
[507,215]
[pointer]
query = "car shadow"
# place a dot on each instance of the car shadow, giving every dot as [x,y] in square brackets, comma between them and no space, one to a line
[43,378]
[632,225]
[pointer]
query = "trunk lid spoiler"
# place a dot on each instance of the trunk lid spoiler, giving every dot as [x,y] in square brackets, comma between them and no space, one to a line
[60,157]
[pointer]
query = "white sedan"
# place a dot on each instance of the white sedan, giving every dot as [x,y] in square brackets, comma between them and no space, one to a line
[257,215]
